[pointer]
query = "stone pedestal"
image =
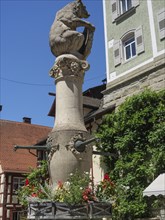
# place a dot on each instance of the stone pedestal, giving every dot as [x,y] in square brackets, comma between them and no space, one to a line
[69,127]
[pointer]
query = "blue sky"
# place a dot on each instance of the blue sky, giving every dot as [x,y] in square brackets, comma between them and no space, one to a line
[26,59]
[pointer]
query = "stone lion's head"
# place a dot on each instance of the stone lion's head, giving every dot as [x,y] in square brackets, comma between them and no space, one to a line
[80,9]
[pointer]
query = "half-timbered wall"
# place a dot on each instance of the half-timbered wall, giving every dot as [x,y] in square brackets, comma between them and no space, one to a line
[2,180]
[10,182]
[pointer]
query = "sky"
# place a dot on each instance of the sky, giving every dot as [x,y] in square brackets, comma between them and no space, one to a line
[26,59]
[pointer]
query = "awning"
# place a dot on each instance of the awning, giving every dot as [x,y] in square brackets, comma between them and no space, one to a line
[157,187]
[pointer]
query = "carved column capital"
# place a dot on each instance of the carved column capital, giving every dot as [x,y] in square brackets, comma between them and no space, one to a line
[68,65]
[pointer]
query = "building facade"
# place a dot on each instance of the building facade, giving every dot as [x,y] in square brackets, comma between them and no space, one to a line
[14,164]
[135,47]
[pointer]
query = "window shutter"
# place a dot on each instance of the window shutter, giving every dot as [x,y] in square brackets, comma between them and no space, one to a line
[117,53]
[139,40]
[161,23]
[135,3]
[114,9]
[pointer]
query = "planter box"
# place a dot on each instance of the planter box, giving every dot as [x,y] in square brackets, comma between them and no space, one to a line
[57,210]
[39,210]
[64,211]
[100,210]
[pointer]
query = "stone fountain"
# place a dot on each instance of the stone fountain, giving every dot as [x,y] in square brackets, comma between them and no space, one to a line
[71,49]
[69,141]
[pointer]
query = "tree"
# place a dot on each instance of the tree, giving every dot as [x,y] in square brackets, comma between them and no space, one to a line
[136,134]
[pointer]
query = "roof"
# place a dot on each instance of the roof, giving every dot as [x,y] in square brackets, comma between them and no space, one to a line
[19,133]
[157,187]
[95,92]
[98,113]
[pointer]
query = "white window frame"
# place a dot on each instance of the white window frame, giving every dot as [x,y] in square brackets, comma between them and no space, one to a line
[127,8]
[119,49]
[129,37]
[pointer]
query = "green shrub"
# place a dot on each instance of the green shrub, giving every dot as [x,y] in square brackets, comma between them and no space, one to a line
[136,134]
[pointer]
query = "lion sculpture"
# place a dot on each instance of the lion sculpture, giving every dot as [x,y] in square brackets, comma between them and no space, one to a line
[64,38]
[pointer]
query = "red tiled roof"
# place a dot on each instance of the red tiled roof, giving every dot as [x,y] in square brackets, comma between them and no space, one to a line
[23,134]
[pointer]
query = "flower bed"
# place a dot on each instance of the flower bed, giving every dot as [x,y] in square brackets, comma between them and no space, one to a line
[77,198]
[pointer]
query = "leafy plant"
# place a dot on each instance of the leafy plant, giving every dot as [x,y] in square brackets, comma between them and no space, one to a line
[135,133]
[105,190]
[78,189]
[33,181]
[75,190]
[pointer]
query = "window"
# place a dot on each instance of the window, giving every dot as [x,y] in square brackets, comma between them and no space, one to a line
[41,155]
[130,45]
[129,48]
[16,216]
[120,7]
[17,183]
[125,5]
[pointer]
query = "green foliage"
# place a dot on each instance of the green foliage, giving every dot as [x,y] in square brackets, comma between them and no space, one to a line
[136,134]
[38,175]
[105,190]
[75,190]
[78,184]
[34,179]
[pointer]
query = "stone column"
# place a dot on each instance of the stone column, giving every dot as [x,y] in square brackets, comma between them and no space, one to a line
[69,127]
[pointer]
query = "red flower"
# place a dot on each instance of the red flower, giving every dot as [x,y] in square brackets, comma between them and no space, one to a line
[87,191]
[26,182]
[106,177]
[34,195]
[85,197]
[107,180]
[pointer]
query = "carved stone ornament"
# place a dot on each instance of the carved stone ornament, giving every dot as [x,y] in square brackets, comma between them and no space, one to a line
[68,65]
[71,145]
[53,148]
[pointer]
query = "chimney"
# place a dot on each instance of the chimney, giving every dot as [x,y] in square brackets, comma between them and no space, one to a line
[0,108]
[27,120]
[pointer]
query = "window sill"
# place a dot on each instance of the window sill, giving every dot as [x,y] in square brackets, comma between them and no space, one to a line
[132,58]
[125,15]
